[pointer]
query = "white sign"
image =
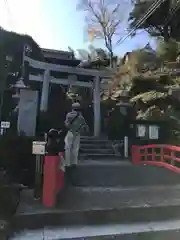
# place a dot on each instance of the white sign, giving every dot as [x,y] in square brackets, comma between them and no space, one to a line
[5,124]
[38,148]
[141,131]
[154,132]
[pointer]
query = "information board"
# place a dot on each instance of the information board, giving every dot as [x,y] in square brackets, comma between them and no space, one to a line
[38,148]
[154,132]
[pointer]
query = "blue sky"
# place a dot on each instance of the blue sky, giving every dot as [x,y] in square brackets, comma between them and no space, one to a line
[54,24]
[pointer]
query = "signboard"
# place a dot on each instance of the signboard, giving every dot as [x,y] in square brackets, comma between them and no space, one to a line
[153,132]
[141,130]
[38,148]
[5,124]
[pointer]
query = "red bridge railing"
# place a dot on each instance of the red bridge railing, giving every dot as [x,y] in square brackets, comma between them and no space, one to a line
[159,155]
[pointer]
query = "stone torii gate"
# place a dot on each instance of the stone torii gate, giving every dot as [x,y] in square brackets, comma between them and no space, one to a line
[46,78]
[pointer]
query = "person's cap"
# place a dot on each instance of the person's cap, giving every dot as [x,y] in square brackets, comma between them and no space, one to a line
[76,105]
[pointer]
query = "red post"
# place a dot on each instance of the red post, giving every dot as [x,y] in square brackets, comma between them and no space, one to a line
[53,180]
[50,180]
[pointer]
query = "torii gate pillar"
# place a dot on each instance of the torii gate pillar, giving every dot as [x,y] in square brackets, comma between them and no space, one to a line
[97,109]
[45,91]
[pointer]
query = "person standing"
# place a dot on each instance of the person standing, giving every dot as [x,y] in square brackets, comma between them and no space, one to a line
[76,125]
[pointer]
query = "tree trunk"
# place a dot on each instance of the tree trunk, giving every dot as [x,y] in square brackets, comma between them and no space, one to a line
[108,43]
[111,58]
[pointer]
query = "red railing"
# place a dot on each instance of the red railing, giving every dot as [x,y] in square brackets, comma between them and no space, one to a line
[159,155]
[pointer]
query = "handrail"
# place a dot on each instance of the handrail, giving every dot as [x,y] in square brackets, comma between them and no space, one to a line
[165,157]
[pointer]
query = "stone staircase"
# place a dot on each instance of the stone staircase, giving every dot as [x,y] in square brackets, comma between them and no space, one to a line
[83,213]
[107,200]
[93,148]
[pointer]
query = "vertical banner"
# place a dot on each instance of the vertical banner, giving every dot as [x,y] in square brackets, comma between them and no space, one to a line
[28,104]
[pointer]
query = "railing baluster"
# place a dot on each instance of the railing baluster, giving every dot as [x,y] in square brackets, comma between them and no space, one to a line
[172,157]
[146,154]
[153,155]
[162,153]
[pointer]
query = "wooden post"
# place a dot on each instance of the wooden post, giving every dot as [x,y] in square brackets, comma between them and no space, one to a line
[38,177]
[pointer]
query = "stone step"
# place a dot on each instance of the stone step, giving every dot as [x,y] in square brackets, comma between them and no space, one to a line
[79,206]
[93,137]
[94,156]
[95,141]
[94,145]
[121,172]
[88,144]
[162,230]
[97,151]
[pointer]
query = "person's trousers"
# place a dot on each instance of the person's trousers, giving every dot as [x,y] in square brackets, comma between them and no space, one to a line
[72,144]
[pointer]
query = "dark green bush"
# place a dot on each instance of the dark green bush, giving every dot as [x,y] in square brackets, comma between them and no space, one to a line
[16,158]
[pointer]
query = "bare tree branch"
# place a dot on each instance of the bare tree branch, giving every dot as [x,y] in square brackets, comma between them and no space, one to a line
[104,18]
